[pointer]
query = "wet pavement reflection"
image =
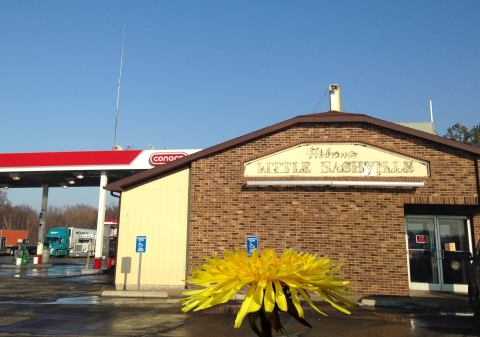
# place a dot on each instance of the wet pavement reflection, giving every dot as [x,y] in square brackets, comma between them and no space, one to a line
[61,267]
[94,316]
[62,302]
[362,322]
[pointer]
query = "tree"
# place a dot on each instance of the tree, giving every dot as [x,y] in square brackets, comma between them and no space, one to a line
[20,217]
[3,198]
[461,133]
[112,211]
[475,134]
[81,215]
[6,217]
[26,218]
[458,132]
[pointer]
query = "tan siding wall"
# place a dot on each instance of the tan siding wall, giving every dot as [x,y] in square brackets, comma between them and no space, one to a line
[159,211]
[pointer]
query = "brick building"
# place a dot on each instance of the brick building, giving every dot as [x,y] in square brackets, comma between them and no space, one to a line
[398,207]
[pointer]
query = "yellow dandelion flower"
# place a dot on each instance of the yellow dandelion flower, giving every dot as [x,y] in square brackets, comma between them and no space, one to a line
[275,283]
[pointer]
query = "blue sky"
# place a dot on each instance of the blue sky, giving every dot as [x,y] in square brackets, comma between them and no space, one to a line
[197,73]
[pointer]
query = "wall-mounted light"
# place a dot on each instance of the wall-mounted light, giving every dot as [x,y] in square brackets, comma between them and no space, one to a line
[65,186]
[80,176]
[6,187]
[15,176]
[71,181]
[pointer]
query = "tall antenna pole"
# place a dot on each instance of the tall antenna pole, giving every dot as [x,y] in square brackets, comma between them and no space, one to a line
[431,112]
[118,90]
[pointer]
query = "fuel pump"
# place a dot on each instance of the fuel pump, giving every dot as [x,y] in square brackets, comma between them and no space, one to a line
[22,255]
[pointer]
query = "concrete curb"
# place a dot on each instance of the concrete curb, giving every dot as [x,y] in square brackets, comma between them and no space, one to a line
[412,303]
[403,303]
[385,302]
[134,293]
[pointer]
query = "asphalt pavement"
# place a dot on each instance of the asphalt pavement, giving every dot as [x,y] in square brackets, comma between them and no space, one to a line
[69,304]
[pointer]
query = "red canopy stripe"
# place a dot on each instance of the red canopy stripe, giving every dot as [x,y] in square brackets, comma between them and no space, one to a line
[80,158]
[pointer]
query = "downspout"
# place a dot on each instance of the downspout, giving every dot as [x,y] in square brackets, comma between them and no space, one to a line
[477,179]
[117,263]
[190,201]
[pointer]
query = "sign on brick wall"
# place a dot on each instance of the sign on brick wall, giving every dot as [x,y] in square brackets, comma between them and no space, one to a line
[336,160]
[252,244]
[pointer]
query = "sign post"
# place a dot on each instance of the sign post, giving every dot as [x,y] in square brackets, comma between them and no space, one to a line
[140,248]
[252,243]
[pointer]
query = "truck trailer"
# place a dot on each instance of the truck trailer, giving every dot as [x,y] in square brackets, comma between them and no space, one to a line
[71,241]
[9,239]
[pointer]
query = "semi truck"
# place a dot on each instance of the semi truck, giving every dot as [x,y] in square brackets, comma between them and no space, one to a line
[71,241]
[9,239]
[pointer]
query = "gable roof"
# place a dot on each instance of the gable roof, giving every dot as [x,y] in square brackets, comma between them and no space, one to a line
[325,117]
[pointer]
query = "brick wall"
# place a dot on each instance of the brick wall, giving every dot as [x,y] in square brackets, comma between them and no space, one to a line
[363,228]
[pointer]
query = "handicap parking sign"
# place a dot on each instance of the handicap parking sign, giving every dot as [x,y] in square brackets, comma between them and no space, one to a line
[252,243]
[141,245]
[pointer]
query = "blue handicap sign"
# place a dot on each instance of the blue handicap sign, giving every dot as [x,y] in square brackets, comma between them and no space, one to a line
[252,243]
[141,245]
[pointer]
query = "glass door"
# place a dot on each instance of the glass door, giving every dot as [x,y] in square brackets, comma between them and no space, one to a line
[454,247]
[422,253]
[437,247]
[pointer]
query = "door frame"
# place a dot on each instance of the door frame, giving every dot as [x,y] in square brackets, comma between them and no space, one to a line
[457,288]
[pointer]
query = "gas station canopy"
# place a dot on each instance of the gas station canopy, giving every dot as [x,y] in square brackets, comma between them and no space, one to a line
[79,168]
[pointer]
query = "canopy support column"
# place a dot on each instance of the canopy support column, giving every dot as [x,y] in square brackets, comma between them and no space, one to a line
[43,221]
[100,221]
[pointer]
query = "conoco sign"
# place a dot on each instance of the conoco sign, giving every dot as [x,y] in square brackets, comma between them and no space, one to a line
[159,158]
